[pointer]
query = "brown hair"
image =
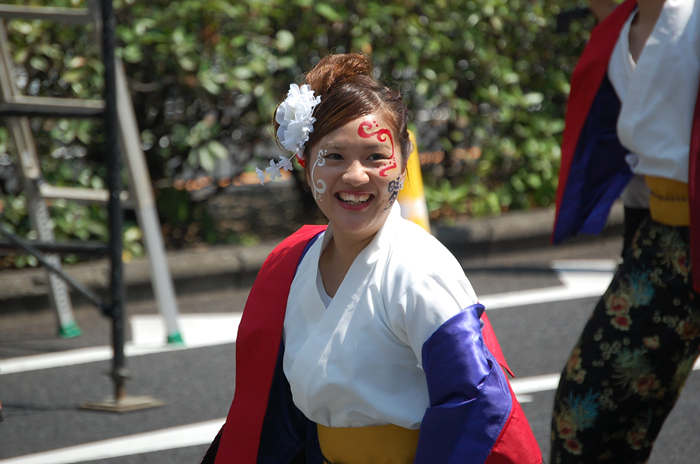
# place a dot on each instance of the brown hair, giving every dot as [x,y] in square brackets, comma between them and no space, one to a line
[348,91]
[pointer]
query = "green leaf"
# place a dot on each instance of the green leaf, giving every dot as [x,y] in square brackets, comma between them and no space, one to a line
[328,12]
[239,41]
[211,86]
[243,73]
[73,76]
[178,35]
[39,63]
[76,62]
[218,149]
[206,160]
[533,98]
[187,63]
[285,40]
[556,126]
[132,53]
[21,55]
[132,234]
[286,62]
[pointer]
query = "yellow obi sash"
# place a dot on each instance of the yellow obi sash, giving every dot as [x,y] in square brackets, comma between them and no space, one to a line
[668,202]
[378,444]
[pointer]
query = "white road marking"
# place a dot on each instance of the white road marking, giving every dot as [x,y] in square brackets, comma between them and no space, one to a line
[535,384]
[201,433]
[580,279]
[197,329]
[541,383]
[149,337]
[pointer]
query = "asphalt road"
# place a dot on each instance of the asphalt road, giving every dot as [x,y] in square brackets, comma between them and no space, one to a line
[41,403]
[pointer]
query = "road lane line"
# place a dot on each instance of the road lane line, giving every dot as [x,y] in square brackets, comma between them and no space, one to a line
[201,433]
[49,360]
[580,279]
[535,384]
[149,337]
[541,383]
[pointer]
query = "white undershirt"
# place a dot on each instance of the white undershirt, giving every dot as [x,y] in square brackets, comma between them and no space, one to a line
[322,290]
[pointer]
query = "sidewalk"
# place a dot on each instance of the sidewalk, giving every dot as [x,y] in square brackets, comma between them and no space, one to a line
[224,266]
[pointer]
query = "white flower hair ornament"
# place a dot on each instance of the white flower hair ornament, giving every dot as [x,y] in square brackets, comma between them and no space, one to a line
[295,118]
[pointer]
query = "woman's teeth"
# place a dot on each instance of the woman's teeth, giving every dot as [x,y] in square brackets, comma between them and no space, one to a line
[353,200]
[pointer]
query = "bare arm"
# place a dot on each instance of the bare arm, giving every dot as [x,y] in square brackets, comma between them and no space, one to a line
[602,8]
[643,24]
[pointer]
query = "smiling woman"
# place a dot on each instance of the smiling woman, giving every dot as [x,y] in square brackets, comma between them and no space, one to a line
[363,342]
[354,179]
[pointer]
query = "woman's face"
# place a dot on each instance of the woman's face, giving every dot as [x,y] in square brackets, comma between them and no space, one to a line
[354,173]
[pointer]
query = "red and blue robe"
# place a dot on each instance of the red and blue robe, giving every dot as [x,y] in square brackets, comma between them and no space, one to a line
[593,170]
[473,415]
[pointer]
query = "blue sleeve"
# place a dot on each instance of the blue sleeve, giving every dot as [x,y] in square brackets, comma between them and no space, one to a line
[598,172]
[470,400]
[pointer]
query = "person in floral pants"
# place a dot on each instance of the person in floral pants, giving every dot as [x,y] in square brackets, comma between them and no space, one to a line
[633,110]
[633,357]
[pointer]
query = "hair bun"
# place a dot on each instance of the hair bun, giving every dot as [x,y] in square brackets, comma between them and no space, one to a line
[336,68]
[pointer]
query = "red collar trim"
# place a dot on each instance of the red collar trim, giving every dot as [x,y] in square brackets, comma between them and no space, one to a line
[585,82]
[257,347]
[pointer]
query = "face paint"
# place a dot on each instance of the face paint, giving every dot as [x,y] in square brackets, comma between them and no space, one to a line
[319,185]
[394,187]
[381,136]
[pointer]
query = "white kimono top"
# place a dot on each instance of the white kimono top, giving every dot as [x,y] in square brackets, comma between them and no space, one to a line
[658,93]
[620,70]
[358,362]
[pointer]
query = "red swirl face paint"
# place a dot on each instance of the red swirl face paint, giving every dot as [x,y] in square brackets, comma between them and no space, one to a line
[381,136]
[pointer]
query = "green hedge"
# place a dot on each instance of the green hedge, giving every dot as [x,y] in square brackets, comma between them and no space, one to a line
[486,82]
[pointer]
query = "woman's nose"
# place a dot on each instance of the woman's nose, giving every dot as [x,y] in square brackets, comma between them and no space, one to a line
[356,174]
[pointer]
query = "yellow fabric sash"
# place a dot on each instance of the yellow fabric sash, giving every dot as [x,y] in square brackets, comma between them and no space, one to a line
[668,202]
[378,444]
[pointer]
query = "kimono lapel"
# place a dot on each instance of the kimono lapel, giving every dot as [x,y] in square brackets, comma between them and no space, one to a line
[327,327]
[583,201]
[257,348]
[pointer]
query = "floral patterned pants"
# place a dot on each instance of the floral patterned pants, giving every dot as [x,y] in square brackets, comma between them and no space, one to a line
[634,355]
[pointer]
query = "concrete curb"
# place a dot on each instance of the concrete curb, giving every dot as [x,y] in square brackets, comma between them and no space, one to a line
[220,267]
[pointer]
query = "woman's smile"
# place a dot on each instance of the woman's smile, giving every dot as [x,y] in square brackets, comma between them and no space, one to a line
[354,173]
[354,199]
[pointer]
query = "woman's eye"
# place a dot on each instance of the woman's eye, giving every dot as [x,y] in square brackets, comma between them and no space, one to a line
[377,157]
[333,156]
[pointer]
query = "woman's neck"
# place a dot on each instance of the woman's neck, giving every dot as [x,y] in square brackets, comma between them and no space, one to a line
[337,258]
[643,25]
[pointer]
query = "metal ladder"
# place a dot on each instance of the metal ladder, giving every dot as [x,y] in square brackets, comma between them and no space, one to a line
[16,110]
